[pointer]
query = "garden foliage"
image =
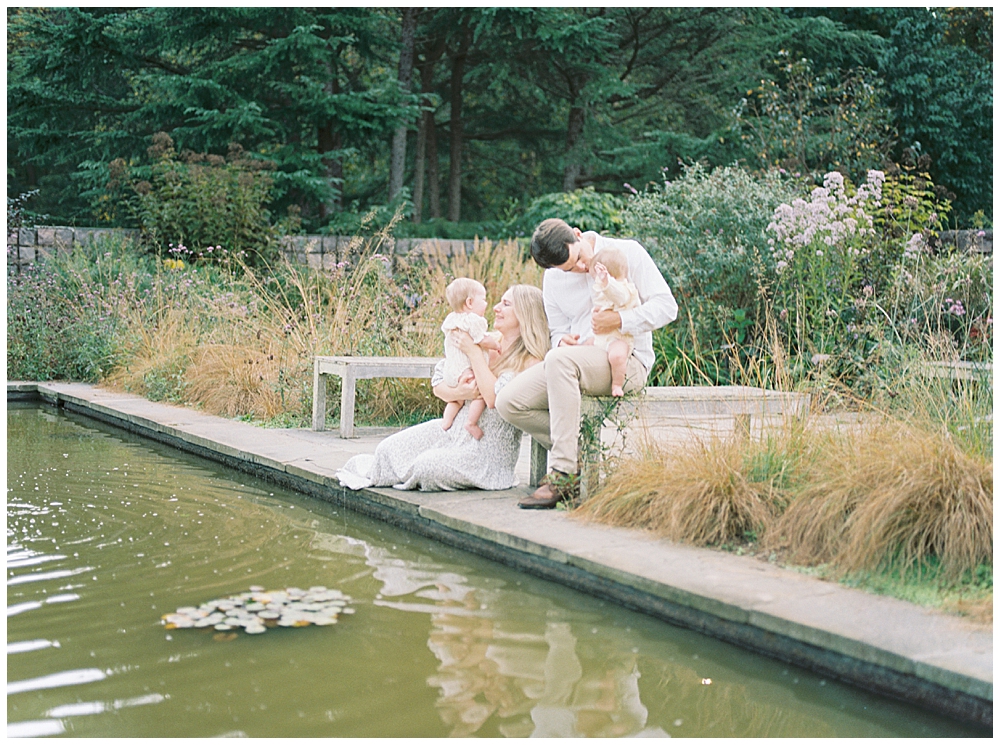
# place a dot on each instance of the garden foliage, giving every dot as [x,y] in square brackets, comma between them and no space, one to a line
[707,233]
[209,204]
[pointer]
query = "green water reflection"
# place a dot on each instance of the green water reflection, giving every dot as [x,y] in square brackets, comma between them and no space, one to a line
[106,532]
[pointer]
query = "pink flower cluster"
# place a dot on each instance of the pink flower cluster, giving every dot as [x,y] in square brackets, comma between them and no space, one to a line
[829,218]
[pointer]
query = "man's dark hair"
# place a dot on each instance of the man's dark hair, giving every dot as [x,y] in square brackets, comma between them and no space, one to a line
[549,242]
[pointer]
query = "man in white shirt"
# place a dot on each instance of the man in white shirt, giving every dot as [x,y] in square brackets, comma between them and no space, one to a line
[544,400]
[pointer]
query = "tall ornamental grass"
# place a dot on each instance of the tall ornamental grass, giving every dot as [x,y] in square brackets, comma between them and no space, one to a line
[239,340]
[884,496]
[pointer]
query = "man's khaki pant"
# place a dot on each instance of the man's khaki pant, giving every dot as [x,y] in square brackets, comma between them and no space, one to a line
[544,400]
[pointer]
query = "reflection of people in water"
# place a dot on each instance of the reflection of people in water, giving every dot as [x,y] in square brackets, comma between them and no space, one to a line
[530,681]
[534,683]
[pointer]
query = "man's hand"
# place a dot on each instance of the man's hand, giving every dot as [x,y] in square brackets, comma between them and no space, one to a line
[605,321]
[570,340]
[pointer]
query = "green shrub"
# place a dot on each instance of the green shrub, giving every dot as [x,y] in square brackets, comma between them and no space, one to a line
[813,123]
[586,209]
[706,231]
[208,205]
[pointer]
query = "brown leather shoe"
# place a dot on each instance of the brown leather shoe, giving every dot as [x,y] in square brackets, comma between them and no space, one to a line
[555,487]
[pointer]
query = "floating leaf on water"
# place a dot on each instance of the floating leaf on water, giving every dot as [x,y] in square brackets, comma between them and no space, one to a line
[255,628]
[222,627]
[256,588]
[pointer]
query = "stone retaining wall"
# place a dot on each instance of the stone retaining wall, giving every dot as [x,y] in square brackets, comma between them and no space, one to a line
[27,245]
[326,251]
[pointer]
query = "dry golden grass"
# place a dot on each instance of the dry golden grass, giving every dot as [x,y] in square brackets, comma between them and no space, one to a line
[158,355]
[893,493]
[246,347]
[864,498]
[496,265]
[699,494]
[231,380]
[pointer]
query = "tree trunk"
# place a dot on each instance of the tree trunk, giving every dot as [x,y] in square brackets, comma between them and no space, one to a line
[574,147]
[328,143]
[455,149]
[424,133]
[397,163]
[433,174]
[419,163]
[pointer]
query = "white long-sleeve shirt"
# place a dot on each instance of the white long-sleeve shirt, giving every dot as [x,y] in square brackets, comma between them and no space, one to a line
[568,303]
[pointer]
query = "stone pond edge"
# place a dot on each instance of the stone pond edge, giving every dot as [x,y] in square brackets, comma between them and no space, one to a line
[963,697]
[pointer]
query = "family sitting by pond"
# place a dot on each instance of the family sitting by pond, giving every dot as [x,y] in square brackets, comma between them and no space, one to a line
[532,379]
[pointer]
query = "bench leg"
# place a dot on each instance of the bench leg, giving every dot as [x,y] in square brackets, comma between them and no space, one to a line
[741,425]
[319,400]
[347,405]
[539,462]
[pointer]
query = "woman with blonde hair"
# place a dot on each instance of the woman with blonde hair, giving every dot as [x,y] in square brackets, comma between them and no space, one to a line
[428,458]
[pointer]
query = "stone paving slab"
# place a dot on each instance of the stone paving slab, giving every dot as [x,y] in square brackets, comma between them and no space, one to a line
[937,660]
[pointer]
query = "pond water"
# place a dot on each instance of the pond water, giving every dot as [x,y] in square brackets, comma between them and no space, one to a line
[107,532]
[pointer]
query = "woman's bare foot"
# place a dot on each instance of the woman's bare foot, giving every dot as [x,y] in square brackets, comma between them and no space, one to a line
[617,390]
[474,430]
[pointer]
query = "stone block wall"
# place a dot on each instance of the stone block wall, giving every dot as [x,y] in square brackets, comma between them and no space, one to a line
[318,251]
[27,245]
[972,241]
[326,251]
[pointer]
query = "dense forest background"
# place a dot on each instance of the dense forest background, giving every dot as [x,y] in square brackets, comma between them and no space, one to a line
[467,116]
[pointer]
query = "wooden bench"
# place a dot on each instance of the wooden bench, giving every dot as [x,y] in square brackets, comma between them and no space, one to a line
[352,369]
[739,402]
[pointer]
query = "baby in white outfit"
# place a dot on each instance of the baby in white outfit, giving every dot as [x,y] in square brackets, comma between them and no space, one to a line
[612,290]
[467,299]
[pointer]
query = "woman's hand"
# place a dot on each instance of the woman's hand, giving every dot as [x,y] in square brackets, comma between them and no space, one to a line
[465,390]
[463,341]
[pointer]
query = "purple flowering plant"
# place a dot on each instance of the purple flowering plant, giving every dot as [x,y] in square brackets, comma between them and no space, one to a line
[821,246]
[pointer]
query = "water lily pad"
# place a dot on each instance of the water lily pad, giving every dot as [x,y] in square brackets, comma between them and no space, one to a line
[258,609]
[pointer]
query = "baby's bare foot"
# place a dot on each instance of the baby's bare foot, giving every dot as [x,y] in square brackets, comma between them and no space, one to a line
[474,430]
[445,425]
[616,390]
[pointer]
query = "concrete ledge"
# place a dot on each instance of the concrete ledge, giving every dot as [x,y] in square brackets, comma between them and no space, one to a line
[940,662]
